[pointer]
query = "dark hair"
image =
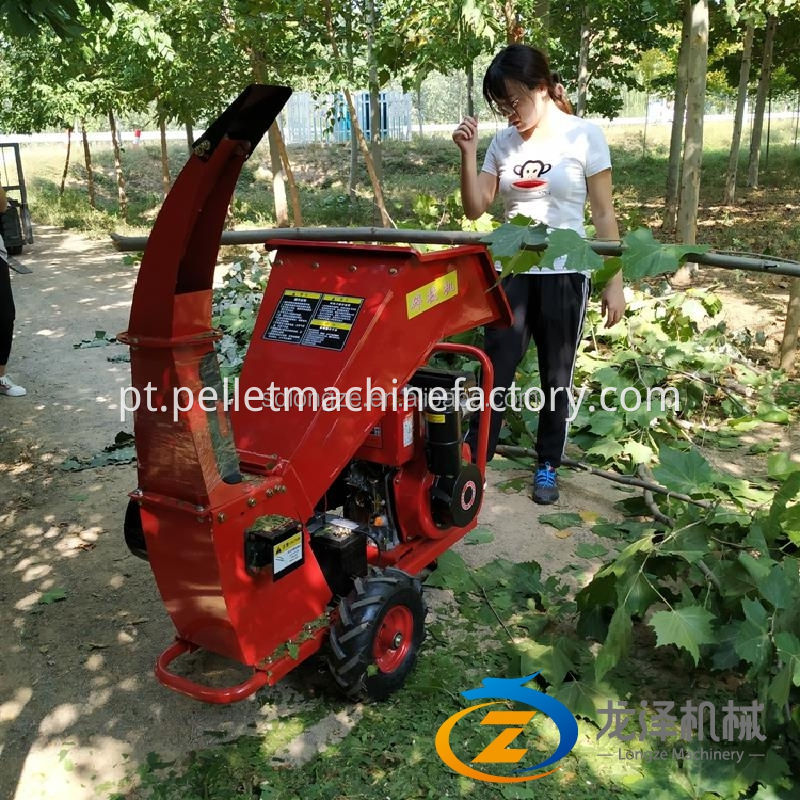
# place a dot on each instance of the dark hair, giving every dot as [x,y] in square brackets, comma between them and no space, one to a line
[525,65]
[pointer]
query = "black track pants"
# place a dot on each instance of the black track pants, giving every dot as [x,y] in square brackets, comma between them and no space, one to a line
[7,313]
[549,308]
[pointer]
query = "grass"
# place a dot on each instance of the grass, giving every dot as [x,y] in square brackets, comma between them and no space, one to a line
[762,220]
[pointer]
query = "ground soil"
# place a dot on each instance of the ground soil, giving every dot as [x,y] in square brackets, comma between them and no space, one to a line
[80,708]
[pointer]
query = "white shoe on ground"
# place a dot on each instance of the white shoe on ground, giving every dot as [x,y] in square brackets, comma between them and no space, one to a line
[10,389]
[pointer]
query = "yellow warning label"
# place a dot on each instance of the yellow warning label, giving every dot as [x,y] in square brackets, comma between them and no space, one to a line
[287,552]
[329,323]
[300,293]
[435,417]
[340,298]
[431,294]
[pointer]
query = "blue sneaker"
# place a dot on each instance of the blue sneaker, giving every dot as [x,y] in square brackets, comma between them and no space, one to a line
[545,485]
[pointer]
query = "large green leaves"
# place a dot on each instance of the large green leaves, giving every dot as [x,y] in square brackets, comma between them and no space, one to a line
[683,471]
[570,251]
[687,627]
[644,257]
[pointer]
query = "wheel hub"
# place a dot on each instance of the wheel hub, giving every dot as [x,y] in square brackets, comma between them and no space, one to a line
[393,640]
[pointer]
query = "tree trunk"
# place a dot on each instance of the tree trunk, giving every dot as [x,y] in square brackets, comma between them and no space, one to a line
[87,158]
[278,178]
[66,163]
[761,102]
[351,186]
[166,181]
[121,194]
[790,330]
[374,91]
[741,101]
[294,195]
[797,120]
[583,61]
[470,90]
[693,140]
[678,114]
[514,31]
[419,111]
[644,132]
[189,135]
[362,142]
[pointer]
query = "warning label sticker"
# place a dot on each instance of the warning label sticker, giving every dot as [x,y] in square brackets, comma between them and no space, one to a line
[286,553]
[314,319]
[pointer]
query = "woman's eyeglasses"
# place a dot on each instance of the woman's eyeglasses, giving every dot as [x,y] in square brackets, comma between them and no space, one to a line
[508,110]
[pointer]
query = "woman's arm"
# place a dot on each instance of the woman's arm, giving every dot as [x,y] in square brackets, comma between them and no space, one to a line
[605,223]
[3,200]
[478,190]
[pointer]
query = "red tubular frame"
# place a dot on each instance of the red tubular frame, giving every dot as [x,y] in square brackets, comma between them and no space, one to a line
[209,694]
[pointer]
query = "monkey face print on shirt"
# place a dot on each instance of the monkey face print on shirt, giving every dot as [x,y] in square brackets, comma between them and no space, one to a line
[530,177]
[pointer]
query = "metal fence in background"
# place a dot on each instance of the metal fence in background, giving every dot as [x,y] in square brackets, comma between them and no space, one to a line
[326,119]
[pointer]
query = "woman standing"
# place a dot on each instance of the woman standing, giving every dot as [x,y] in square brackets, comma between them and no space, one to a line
[7,316]
[544,165]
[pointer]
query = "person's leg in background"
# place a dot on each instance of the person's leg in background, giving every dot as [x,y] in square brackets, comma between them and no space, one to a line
[557,312]
[505,347]
[7,317]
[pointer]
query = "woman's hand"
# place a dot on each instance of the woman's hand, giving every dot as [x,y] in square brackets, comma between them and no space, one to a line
[466,135]
[613,301]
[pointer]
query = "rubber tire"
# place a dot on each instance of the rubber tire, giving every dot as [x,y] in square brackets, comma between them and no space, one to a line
[14,249]
[132,528]
[352,637]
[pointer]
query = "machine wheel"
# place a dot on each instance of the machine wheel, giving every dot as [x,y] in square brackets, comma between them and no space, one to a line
[132,527]
[374,644]
[14,249]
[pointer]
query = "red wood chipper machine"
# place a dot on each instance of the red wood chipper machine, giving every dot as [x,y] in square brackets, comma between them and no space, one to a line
[276,524]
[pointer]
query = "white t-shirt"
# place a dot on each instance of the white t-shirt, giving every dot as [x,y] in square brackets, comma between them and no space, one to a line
[574,150]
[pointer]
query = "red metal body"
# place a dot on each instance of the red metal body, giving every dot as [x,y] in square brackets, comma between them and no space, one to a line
[333,316]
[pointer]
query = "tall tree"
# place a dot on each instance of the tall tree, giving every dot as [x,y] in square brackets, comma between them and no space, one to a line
[761,101]
[741,100]
[678,122]
[693,140]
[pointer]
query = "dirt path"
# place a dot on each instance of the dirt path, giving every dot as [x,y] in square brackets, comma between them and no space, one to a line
[80,708]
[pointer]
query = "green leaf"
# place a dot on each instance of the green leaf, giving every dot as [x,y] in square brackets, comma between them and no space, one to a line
[293,649]
[789,650]
[606,423]
[513,485]
[583,698]
[550,659]
[451,573]
[578,252]
[780,466]
[788,492]
[640,453]
[479,536]
[753,643]
[687,627]
[772,413]
[645,257]
[616,644]
[52,596]
[608,449]
[507,240]
[561,520]
[586,550]
[778,589]
[680,471]
[603,275]
[690,543]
